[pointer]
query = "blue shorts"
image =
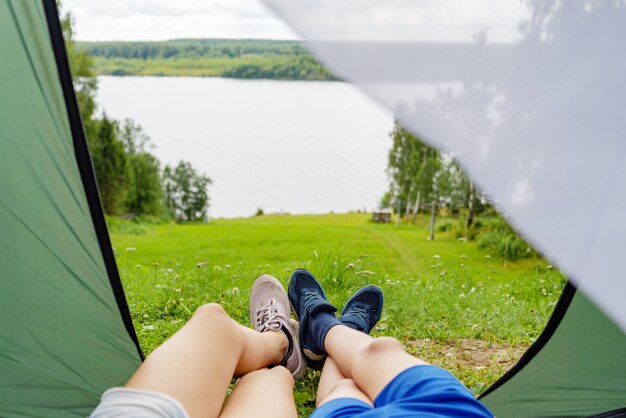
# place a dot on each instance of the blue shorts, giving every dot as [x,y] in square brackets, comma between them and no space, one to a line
[420,391]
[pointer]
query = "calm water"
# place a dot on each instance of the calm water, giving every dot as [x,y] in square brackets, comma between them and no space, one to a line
[293,147]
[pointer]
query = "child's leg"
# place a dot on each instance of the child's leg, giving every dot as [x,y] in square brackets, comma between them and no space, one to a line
[371,363]
[334,385]
[262,393]
[196,365]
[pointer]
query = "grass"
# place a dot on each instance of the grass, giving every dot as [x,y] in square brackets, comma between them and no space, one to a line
[446,300]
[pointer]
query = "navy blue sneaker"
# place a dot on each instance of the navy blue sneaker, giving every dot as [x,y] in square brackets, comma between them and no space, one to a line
[363,309]
[316,315]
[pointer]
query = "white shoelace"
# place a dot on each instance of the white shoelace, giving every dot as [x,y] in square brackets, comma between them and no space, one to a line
[268,318]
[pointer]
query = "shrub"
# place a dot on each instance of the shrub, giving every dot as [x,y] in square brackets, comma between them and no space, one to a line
[445,225]
[504,242]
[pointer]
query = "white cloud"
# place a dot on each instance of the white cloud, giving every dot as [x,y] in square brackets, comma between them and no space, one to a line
[165,19]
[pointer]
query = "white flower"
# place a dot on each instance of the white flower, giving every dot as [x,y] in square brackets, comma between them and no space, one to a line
[487,256]
[436,256]
[472,290]
[131,249]
[235,290]
[168,271]
[462,296]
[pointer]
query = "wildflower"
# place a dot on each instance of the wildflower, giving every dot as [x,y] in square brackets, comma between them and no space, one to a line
[147,327]
[462,296]
[168,271]
[226,266]
[443,272]
[472,290]
[131,249]
[315,253]
[201,264]
[549,267]
[235,290]
[436,256]
[463,256]
[350,266]
[138,266]
[146,316]
[487,256]
[177,290]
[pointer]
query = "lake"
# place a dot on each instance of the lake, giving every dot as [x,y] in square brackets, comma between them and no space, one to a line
[283,146]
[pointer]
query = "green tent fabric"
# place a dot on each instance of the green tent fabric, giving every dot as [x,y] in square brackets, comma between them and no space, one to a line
[65,329]
[577,368]
[63,339]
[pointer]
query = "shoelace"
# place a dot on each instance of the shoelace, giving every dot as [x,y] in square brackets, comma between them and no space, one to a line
[268,317]
[356,310]
[312,298]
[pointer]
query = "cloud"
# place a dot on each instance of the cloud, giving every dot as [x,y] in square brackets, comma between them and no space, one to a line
[165,19]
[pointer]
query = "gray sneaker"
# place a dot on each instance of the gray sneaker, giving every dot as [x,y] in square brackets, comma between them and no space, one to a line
[269,311]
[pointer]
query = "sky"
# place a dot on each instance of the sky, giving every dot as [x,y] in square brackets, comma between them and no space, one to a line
[97,20]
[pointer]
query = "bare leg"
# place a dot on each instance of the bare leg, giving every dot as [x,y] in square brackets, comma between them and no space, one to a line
[371,363]
[263,393]
[196,365]
[334,385]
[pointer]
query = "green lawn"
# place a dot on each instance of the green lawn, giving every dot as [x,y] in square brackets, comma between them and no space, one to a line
[447,301]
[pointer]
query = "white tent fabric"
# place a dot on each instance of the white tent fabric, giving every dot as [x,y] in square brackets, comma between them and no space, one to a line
[529,95]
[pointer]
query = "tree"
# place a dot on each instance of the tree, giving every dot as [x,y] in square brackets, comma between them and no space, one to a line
[419,173]
[145,194]
[83,75]
[186,193]
[412,167]
[111,165]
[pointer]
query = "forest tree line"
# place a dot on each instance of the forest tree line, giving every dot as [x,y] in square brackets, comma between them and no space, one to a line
[130,179]
[234,58]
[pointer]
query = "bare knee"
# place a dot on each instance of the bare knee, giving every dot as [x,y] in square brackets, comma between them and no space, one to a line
[210,310]
[378,348]
[214,319]
[382,345]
